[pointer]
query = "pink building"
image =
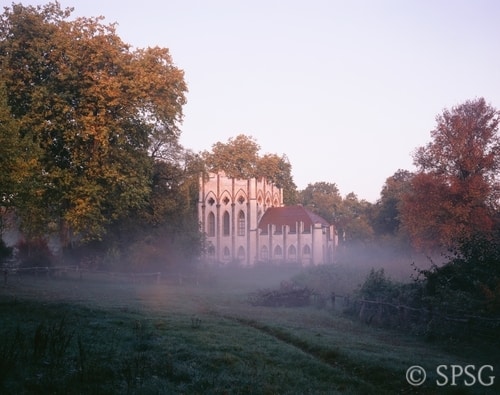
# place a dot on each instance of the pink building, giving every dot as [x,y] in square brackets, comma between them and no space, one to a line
[245,221]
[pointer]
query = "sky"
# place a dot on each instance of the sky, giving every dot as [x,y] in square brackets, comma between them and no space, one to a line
[347,90]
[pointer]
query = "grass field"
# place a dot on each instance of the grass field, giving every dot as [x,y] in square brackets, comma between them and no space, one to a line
[111,336]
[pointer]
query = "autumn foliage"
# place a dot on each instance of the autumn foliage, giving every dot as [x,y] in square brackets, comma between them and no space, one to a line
[91,115]
[89,151]
[454,195]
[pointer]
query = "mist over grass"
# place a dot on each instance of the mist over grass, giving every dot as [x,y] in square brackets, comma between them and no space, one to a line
[398,261]
[196,332]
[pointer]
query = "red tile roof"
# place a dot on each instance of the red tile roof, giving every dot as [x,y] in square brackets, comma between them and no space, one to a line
[290,215]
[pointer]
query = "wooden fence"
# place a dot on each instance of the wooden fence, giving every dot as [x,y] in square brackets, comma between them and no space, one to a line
[75,272]
[86,273]
[425,320]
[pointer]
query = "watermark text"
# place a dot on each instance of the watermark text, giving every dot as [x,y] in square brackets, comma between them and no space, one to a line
[453,375]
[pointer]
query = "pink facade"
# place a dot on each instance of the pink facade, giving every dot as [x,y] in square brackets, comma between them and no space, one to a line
[245,222]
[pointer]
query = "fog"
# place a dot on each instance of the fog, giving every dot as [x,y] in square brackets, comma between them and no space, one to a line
[92,268]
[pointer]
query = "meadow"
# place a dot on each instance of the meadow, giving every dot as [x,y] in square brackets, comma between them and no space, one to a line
[102,335]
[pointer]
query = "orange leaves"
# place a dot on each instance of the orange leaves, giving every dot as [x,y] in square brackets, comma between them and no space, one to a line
[238,157]
[466,142]
[451,195]
[92,109]
[159,84]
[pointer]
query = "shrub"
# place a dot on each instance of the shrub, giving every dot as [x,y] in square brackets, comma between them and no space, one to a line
[457,300]
[378,286]
[5,251]
[34,253]
[328,278]
[470,281]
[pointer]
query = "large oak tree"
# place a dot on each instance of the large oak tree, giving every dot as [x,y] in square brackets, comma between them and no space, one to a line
[455,192]
[95,113]
[239,158]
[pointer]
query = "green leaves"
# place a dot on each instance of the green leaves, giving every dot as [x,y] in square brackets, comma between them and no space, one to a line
[237,158]
[91,114]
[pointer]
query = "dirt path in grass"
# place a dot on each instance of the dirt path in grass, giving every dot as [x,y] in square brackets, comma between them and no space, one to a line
[370,374]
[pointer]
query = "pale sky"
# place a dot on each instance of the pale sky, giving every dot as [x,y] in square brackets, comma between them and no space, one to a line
[347,90]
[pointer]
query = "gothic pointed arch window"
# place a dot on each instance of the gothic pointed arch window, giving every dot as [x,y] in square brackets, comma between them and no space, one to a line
[226,224]
[264,253]
[241,253]
[306,250]
[292,253]
[278,252]
[241,223]
[227,254]
[211,225]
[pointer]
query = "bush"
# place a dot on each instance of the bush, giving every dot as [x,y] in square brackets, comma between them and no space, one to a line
[470,281]
[5,251]
[455,301]
[379,287]
[34,253]
[328,278]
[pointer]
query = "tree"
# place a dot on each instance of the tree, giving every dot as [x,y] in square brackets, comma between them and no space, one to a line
[387,219]
[278,170]
[323,198]
[10,152]
[165,232]
[174,194]
[455,192]
[96,113]
[349,215]
[20,176]
[352,219]
[239,158]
